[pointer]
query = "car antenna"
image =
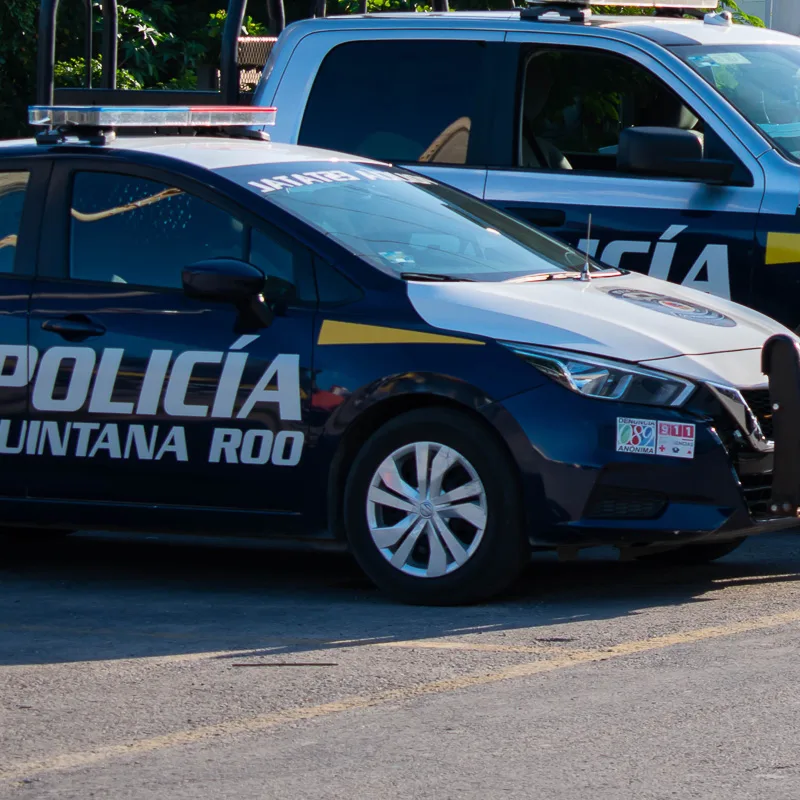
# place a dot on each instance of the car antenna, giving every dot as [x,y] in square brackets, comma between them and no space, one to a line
[585,276]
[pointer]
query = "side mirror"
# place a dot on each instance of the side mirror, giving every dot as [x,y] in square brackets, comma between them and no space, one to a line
[672,152]
[229,280]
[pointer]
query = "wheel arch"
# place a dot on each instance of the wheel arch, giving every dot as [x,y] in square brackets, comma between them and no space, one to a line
[372,419]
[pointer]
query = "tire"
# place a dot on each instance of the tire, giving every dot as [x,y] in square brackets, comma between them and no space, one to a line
[692,554]
[492,541]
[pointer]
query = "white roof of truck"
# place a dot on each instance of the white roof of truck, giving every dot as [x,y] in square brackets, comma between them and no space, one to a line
[663,30]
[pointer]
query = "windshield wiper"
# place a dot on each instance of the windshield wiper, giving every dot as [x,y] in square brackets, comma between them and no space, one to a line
[430,276]
[609,272]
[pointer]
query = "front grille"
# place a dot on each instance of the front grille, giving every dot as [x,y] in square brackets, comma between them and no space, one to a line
[760,405]
[615,502]
[757,493]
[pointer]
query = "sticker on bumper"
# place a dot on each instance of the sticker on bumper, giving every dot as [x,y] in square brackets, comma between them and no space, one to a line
[649,437]
[636,436]
[675,440]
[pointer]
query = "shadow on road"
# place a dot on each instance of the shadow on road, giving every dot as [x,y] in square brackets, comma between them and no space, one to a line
[100,598]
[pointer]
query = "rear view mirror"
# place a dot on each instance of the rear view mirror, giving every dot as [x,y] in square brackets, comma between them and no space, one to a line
[671,152]
[229,280]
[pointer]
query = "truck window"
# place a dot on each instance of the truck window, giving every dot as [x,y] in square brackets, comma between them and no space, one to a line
[574,103]
[762,81]
[406,101]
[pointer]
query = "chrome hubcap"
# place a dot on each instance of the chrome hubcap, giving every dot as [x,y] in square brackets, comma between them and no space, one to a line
[426,509]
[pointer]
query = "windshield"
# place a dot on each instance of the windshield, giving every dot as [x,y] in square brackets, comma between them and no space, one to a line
[408,225]
[762,81]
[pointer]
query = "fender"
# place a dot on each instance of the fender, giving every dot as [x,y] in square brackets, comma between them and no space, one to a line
[363,412]
[402,386]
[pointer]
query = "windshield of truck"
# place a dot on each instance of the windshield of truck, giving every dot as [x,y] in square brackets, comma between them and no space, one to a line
[408,225]
[762,81]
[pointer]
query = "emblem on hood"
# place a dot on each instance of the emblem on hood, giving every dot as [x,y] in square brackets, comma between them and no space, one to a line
[672,306]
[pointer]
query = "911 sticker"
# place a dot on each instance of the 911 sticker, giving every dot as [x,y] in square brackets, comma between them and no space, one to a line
[636,436]
[675,440]
[650,437]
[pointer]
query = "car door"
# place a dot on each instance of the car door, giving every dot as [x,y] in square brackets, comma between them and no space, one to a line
[22,187]
[143,394]
[421,102]
[557,133]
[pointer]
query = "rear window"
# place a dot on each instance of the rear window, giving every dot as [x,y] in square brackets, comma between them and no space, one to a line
[413,101]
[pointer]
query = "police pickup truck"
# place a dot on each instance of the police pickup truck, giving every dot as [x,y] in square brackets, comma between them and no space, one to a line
[680,136]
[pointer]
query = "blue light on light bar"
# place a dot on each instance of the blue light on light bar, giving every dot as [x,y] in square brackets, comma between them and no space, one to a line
[161,116]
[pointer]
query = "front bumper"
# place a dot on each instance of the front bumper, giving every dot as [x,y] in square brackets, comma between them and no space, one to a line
[579,491]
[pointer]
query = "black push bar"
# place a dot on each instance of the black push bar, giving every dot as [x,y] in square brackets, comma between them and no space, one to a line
[229,55]
[47,48]
[780,361]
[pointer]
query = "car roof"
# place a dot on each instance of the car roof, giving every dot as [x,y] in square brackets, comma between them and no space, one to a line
[208,152]
[663,30]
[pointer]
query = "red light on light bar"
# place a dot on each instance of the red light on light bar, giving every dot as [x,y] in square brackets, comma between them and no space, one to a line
[235,109]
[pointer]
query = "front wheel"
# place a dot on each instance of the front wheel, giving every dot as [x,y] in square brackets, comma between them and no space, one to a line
[433,511]
[693,554]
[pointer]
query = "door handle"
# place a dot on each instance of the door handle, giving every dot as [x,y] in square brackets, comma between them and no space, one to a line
[74,328]
[543,217]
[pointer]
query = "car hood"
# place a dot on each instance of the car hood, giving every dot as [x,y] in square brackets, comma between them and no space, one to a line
[630,317]
[740,368]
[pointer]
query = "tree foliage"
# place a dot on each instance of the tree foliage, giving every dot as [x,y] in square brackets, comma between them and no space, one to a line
[161,42]
[72,72]
[725,5]
[17,63]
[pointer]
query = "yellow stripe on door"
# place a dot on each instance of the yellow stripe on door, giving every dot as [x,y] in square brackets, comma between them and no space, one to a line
[334,332]
[783,248]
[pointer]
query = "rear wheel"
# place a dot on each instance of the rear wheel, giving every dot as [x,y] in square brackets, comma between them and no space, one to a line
[432,510]
[691,554]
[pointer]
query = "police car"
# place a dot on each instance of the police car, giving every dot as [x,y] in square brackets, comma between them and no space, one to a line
[680,136]
[212,334]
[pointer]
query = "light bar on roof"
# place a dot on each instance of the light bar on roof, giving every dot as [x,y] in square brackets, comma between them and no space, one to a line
[689,5]
[161,116]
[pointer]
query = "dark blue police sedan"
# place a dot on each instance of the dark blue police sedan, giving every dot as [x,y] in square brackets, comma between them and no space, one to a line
[221,335]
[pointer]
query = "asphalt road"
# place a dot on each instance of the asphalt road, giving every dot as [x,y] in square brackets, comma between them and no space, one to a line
[162,669]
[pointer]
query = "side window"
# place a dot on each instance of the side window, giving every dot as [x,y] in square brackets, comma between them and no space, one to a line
[12,195]
[277,256]
[574,104]
[125,229]
[412,101]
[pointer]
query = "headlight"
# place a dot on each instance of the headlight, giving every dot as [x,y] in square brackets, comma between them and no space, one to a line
[604,379]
